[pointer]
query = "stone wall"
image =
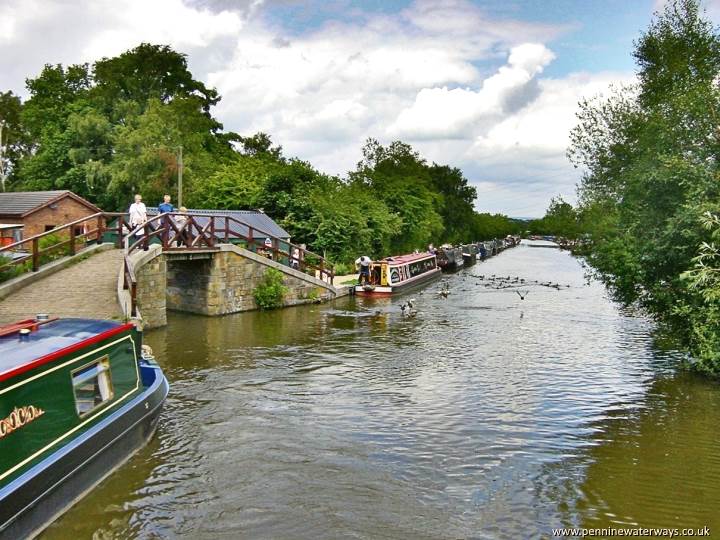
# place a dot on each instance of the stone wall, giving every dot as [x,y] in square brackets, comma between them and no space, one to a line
[225,283]
[151,277]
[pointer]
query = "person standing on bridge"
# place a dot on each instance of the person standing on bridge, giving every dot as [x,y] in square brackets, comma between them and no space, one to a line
[138,216]
[166,207]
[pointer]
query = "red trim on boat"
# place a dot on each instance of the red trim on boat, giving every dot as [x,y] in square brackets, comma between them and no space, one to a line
[64,352]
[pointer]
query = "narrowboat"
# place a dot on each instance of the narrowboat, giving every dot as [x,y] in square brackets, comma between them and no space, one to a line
[450,259]
[78,397]
[469,254]
[393,275]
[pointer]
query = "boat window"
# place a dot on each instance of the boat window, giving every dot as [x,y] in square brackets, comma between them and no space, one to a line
[92,385]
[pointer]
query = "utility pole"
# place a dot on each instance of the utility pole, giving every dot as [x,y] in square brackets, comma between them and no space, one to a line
[2,163]
[180,173]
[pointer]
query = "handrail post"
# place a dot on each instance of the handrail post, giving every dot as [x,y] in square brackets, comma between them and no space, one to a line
[146,243]
[119,241]
[35,255]
[133,299]
[212,231]
[251,240]
[100,228]
[227,230]
[163,223]
[72,240]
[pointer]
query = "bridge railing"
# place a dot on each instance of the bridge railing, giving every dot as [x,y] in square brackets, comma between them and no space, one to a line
[175,232]
[187,232]
[183,231]
[29,254]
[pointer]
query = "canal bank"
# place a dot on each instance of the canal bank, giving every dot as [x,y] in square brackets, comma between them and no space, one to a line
[484,416]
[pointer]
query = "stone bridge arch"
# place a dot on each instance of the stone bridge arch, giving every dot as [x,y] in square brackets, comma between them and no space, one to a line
[212,282]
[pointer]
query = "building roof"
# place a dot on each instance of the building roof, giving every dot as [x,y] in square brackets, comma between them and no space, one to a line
[22,203]
[262,223]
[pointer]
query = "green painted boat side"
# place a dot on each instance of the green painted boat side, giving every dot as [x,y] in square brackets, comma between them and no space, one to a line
[49,388]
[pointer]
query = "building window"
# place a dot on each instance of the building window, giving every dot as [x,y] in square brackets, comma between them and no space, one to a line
[78,230]
[49,227]
[17,235]
[92,385]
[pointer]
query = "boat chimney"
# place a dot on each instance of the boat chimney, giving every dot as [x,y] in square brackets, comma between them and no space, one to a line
[25,334]
[42,317]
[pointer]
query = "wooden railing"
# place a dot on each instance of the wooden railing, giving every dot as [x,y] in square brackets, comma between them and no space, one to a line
[175,232]
[35,251]
[181,232]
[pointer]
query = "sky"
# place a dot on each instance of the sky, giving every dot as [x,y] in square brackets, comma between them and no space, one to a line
[488,86]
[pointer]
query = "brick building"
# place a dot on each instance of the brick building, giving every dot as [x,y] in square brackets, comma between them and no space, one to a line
[40,211]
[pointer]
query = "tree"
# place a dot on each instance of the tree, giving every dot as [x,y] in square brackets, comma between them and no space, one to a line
[560,219]
[399,177]
[456,203]
[651,155]
[14,139]
[149,72]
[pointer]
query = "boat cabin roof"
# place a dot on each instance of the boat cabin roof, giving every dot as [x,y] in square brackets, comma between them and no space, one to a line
[50,337]
[409,258]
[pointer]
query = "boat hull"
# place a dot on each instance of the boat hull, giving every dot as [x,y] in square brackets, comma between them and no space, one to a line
[38,497]
[392,290]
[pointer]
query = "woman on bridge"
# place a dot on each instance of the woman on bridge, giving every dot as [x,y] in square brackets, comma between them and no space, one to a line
[138,216]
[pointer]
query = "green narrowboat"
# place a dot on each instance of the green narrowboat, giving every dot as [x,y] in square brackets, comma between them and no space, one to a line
[77,398]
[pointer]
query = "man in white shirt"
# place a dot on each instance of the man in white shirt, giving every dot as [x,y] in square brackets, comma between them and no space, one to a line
[138,215]
[364,264]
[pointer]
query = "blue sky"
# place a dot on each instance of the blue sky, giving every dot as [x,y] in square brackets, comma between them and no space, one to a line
[488,86]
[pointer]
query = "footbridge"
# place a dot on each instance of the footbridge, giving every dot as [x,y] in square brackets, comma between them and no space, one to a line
[198,263]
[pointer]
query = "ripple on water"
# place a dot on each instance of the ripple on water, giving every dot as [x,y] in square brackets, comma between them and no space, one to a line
[485,416]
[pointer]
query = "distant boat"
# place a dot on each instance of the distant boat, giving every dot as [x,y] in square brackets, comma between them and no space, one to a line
[450,259]
[77,398]
[540,243]
[393,275]
[469,254]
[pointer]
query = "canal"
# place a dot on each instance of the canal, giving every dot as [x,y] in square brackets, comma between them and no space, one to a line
[484,416]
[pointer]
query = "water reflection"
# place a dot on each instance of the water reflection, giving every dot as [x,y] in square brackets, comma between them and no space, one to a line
[485,416]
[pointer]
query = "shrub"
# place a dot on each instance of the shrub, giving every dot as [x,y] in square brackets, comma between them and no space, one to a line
[270,292]
[344,269]
[54,253]
[9,272]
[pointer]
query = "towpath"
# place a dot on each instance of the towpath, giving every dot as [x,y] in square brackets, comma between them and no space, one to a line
[85,289]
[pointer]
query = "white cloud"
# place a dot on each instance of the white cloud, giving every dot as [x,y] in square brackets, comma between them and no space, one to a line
[454,113]
[463,87]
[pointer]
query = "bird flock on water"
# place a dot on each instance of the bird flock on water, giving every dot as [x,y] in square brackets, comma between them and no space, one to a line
[520,285]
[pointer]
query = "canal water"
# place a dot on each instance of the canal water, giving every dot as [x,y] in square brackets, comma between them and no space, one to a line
[484,416]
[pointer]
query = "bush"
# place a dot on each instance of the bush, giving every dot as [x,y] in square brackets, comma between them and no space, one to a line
[9,272]
[271,291]
[344,269]
[54,253]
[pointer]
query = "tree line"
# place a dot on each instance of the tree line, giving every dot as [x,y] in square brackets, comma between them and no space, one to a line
[116,127]
[649,197]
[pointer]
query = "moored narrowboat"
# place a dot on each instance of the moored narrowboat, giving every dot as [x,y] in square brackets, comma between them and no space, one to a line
[78,397]
[450,258]
[469,254]
[393,275]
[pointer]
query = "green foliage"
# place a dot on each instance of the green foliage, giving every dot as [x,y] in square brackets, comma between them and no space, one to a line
[269,294]
[561,219]
[650,153]
[400,178]
[14,139]
[8,272]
